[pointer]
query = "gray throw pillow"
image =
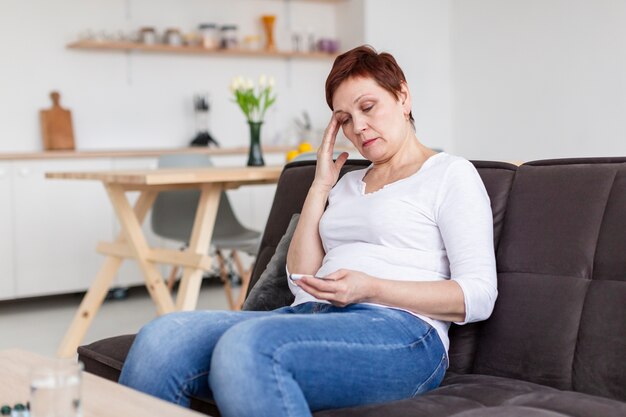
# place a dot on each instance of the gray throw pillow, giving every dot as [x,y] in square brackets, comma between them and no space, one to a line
[271,290]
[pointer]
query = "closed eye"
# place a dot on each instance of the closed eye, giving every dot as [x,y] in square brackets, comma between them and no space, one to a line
[367,109]
[346,120]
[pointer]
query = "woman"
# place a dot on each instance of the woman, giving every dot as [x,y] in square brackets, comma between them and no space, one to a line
[404,248]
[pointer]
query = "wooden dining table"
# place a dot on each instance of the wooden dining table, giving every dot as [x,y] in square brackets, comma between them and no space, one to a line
[131,242]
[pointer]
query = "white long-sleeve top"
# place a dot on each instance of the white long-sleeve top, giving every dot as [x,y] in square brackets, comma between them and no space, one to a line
[434,225]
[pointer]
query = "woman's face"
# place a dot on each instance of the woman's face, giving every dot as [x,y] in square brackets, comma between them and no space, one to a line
[372,118]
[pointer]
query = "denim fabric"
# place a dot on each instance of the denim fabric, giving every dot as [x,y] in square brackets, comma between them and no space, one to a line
[286,362]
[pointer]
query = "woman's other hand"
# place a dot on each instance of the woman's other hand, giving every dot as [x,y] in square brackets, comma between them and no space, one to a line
[340,288]
[439,300]
[327,170]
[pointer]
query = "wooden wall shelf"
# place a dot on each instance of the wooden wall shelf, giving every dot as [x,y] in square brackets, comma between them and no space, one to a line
[197,50]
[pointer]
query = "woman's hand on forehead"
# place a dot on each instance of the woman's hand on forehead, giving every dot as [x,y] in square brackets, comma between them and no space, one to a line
[327,170]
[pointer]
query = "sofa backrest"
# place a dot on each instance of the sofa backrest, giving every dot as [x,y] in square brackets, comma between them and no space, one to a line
[560,317]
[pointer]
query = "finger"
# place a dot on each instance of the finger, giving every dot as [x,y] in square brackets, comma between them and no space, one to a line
[341,159]
[333,123]
[319,294]
[338,274]
[326,285]
[329,127]
[330,136]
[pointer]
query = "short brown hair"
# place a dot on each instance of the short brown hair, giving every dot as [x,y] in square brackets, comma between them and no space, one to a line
[364,61]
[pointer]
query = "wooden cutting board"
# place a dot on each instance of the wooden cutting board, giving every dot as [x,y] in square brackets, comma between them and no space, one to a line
[56,126]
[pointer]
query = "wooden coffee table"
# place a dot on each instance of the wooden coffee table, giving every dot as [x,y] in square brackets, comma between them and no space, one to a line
[101,397]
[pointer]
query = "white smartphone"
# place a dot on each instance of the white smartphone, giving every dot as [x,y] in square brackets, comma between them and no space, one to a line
[295,277]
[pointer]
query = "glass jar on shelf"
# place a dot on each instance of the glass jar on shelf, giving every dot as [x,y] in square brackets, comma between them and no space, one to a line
[208,35]
[147,35]
[252,42]
[173,37]
[229,37]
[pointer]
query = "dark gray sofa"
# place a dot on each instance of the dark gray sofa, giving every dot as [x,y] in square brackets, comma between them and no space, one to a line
[555,344]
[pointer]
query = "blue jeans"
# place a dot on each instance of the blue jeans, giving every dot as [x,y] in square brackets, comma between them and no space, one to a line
[287,362]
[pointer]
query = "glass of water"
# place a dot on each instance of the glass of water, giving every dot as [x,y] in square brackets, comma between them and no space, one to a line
[55,389]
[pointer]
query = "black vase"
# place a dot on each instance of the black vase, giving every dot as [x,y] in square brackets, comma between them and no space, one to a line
[255,154]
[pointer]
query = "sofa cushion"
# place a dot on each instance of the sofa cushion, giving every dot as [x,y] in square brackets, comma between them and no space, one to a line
[483,395]
[498,179]
[106,357]
[271,290]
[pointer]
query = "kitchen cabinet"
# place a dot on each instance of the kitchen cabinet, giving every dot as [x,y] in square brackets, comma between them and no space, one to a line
[7,278]
[57,225]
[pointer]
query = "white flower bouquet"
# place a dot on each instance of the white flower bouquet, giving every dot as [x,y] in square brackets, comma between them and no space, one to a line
[253,100]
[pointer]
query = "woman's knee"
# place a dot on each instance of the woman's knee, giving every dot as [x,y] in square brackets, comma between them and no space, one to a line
[155,340]
[161,328]
[241,348]
[190,335]
[181,328]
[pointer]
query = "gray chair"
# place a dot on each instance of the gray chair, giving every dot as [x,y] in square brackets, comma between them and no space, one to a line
[173,215]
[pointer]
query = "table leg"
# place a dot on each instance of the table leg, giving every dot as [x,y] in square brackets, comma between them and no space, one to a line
[137,241]
[97,292]
[200,240]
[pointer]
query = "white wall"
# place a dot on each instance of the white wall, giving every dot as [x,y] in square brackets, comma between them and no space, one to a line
[510,79]
[138,100]
[417,34]
[539,78]
[351,23]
